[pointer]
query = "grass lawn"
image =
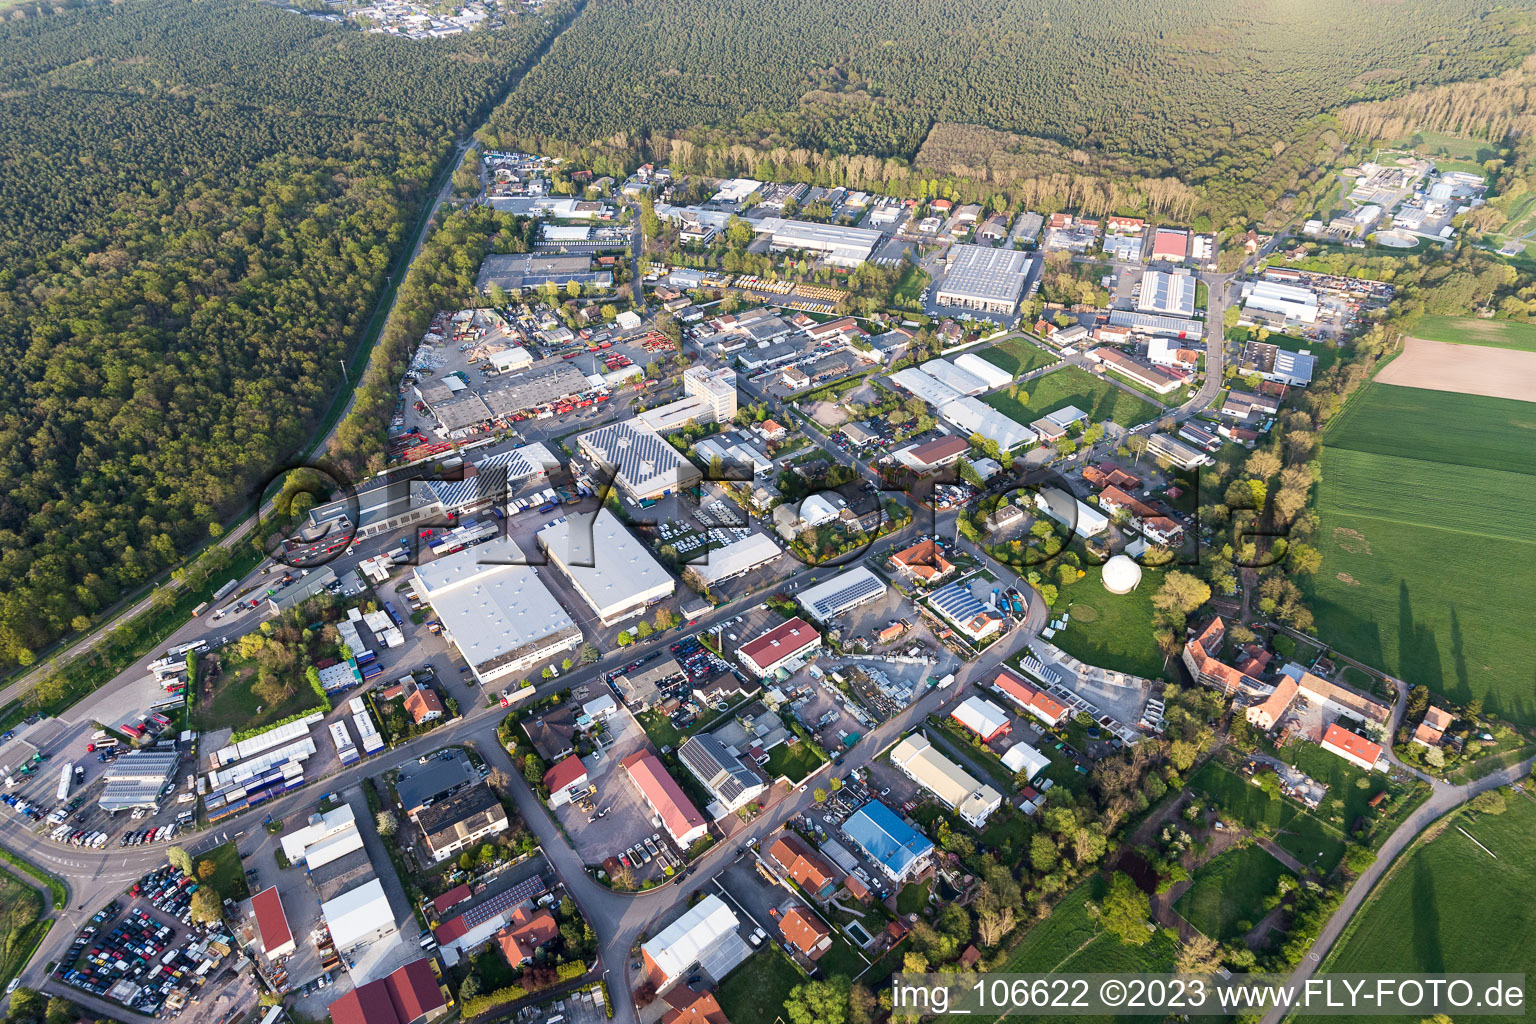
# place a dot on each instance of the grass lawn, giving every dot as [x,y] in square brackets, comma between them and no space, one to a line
[1298,833]
[1072,385]
[20,929]
[234,705]
[1227,896]
[1008,833]
[912,898]
[1448,906]
[754,993]
[230,878]
[1112,631]
[1405,583]
[793,761]
[1347,799]
[841,958]
[659,727]
[1070,941]
[1466,330]
[910,287]
[1018,356]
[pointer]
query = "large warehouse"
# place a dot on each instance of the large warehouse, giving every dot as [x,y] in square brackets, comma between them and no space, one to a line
[952,376]
[501,616]
[515,271]
[925,386]
[643,464]
[737,559]
[1169,293]
[982,278]
[609,566]
[1295,303]
[976,417]
[837,245]
[991,374]
[916,758]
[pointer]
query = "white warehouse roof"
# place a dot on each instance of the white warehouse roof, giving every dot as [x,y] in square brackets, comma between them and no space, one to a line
[980,715]
[952,376]
[608,564]
[357,913]
[946,780]
[689,939]
[976,417]
[737,558]
[844,591]
[924,386]
[992,375]
[1021,757]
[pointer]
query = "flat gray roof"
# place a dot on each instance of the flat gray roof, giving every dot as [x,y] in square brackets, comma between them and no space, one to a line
[641,460]
[984,274]
[609,565]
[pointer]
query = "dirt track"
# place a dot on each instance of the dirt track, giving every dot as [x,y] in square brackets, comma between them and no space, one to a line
[1465,369]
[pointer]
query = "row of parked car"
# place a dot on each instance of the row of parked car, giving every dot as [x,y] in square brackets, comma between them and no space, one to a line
[71,836]
[649,849]
[22,807]
[149,835]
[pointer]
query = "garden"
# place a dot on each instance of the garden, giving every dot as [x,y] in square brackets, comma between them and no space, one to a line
[1226,899]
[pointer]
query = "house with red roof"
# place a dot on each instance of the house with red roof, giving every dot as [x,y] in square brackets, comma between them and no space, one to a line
[1037,702]
[690,1007]
[566,781]
[1352,747]
[804,931]
[408,995]
[422,702]
[525,933]
[1431,731]
[450,899]
[809,870]
[1200,657]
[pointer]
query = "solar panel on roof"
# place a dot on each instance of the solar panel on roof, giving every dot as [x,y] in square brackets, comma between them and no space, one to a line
[849,595]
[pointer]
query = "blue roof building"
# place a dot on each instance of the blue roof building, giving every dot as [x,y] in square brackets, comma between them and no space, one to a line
[901,851]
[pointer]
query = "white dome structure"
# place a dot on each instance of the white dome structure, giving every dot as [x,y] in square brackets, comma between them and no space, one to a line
[1121,574]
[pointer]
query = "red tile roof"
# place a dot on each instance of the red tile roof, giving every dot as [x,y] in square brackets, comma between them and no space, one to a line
[1028,697]
[942,448]
[663,793]
[780,642]
[525,934]
[803,931]
[690,1007]
[270,919]
[452,898]
[422,702]
[407,995]
[1340,739]
[564,773]
[807,867]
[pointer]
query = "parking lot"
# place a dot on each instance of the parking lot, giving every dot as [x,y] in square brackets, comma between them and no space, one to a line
[142,951]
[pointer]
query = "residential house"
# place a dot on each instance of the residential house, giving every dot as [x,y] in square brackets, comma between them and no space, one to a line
[552,733]
[461,821]
[1354,748]
[406,996]
[1032,700]
[1432,730]
[923,561]
[566,781]
[525,933]
[807,868]
[806,933]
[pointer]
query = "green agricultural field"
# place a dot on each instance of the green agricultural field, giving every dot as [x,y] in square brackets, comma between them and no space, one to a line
[1070,941]
[1111,630]
[1449,906]
[1465,330]
[1227,896]
[1439,426]
[1072,385]
[1429,543]
[1018,356]
[1458,499]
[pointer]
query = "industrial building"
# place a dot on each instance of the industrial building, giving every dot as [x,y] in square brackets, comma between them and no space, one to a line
[641,462]
[780,647]
[982,717]
[900,850]
[730,778]
[840,246]
[1171,244]
[1172,294]
[615,573]
[1161,446]
[917,758]
[515,271]
[985,279]
[681,820]
[1156,323]
[1083,520]
[496,610]
[955,603]
[359,916]
[933,455]
[1154,379]
[706,935]
[1293,369]
[1031,699]
[272,924]
[1297,304]
[736,559]
[326,838]
[973,416]
[845,591]
[951,376]
[1354,748]
[992,375]
[925,386]
[138,779]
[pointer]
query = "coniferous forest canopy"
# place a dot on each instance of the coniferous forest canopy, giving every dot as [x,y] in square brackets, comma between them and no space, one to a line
[202,200]
[1185,89]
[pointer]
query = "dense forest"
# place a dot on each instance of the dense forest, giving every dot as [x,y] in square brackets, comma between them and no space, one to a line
[202,203]
[1186,90]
